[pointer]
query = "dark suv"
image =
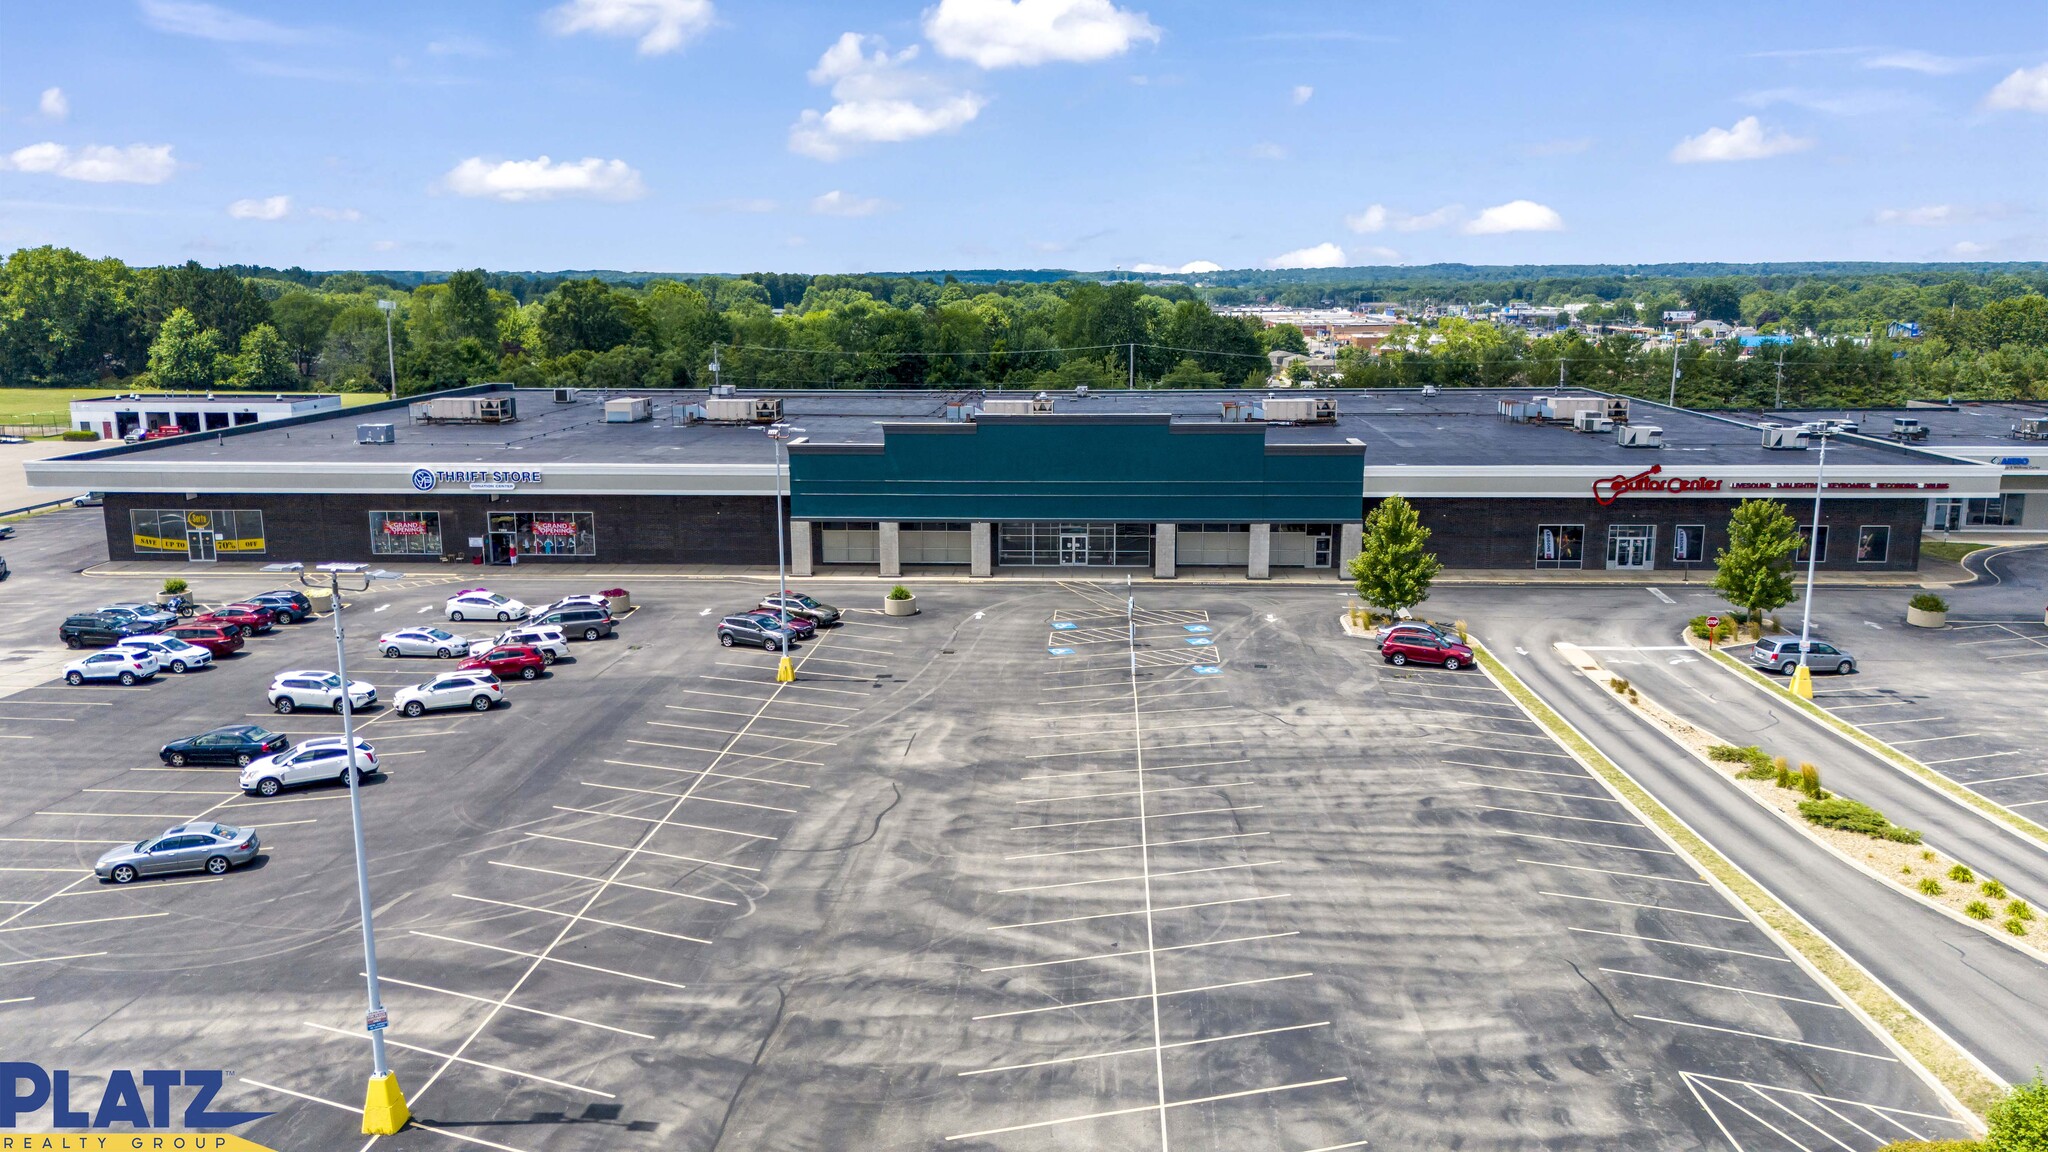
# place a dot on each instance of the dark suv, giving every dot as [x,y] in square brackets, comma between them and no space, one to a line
[286,606]
[97,629]
[577,621]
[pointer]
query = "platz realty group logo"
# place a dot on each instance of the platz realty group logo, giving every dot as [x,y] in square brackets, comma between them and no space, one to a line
[161,1109]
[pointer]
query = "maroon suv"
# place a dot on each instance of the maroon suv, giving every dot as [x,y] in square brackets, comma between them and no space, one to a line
[219,639]
[1422,647]
[248,619]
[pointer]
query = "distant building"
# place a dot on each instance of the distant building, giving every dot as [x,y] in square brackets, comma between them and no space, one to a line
[114,417]
[1680,316]
[1710,330]
[1902,330]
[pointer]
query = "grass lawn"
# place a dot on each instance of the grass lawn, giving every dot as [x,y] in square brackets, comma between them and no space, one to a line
[52,405]
[1953,550]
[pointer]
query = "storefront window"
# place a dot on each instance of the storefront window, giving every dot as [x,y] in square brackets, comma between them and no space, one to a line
[197,533]
[1091,545]
[545,533]
[1560,545]
[1805,534]
[1952,512]
[849,542]
[1689,543]
[1873,543]
[405,533]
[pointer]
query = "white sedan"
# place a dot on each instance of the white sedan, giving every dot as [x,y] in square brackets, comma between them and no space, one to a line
[482,604]
[170,652]
[126,665]
[320,758]
[422,642]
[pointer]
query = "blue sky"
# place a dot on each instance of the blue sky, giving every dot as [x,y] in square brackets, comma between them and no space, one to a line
[721,135]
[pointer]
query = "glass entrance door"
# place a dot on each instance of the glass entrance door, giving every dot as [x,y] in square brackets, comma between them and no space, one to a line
[199,544]
[1631,546]
[1073,548]
[500,550]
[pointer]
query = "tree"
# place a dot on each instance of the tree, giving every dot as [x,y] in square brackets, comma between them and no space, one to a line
[183,356]
[471,313]
[1283,338]
[1716,299]
[1188,374]
[2019,1121]
[1392,570]
[303,318]
[585,315]
[265,363]
[64,317]
[1754,571]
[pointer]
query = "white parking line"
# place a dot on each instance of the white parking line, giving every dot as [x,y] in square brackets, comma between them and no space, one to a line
[1117,771]
[1136,792]
[1724,988]
[777,719]
[586,919]
[1122,953]
[614,883]
[1651,907]
[1583,843]
[2026,803]
[1932,739]
[756,699]
[1528,771]
[356,1110]
[365,1036]
[1681,944]
[547,959]
[786,687]
[643,851]
[1128,819]
[725,752]
[1144,996]
[707,772]
[1146,911]
[1114,751]
[383,979]
[1912,720]
[1508,751]
[1127,847]
[1141,876]
[1612,872]
[749,735]
[1538,792]
[1962,759]
[1161,1108]
[49,840]
[683,796]
[69,871]
[663,823]
[1146,1048]
[1558,816]
[76,923]
[2003,779]
[1772,1039]
[48,960]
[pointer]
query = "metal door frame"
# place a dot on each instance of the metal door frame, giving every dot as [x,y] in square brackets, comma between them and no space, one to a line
[199,546]
[1069,556]
[1639,544]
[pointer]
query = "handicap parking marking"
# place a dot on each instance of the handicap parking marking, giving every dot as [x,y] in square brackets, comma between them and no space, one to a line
[1196,627]
[1207,670]
[1059,651]
[1200,641]
[1064,626]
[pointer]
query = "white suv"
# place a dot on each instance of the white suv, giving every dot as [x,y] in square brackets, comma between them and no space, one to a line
[124,664]
[320,758]
[171,653]
[314,688]
[549,641]
[477,690]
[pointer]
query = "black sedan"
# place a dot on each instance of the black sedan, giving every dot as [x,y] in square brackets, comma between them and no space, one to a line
[236,744]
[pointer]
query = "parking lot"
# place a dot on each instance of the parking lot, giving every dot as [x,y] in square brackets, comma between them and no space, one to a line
[1008,874]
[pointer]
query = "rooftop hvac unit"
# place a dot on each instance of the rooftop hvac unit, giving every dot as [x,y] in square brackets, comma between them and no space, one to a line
[565,395]
[1638,436]
[959,411]
[1080,391]
[1569,407]
[1301,409]
[725,390]
[2032,428]
[742,410]
[1780,437]
[628,410]
[376,434]
[1429,389]
[466,410]
[1617,408]
[1016,405]
[1587,420]
[1907,428]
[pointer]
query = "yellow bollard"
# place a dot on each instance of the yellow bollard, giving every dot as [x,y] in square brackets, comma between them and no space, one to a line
[384,1110]
[785,672]
[1802,682]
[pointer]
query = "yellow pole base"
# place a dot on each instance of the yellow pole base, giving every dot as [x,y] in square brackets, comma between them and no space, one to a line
[384,1110]
[785,672]
[1802,682]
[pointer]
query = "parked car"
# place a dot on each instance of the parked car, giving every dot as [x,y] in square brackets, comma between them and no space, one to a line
[286,606]
[165,432]
[89,500]
[799,627]
[422,642]
[578,601]
[219,639]
[475,690]
[171,653]
[319,759]
[199,847]
[816,611]
[242,615]
[1425,648]
[123,664]
[483,604]
[1781,654]
[1441,631]
[149,614]
[752,629]
[315,688]
[98,629]
[585,621]
[507,660]
[3,567]
[235,744]
[549,642]
[6,530]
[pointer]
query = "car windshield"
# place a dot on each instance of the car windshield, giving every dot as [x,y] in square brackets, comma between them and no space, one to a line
[437,634]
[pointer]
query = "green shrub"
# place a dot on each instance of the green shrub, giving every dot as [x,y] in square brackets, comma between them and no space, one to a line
[1961,874]
[1929,602]
[175,587]
[1931,886]
[1927,855]
[1849,816]
[1618,684]
[1724,630]
[2020,910]
[2019,1122]
[78,434]
[1933,1146]
[899,592]
[1809,780]
[2015,927]
[1977,910]
[1994,889]
[1460,626]
[1902,835]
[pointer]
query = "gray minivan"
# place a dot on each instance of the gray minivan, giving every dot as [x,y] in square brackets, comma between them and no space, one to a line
[1781,654]
[577,621]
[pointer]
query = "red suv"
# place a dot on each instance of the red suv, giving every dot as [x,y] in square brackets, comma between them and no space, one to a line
[248,619]
[1422,647]
[507,660]
[219,639]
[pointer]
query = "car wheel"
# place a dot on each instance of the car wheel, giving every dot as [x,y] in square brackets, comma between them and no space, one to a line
[216,865]
[74,678]
[391,653]
[1786,668]
[269,786]
[127,679]
[547,658]
[504,617]
[528,672]
[178,667]
[123,873]
[441,652]
[287,618]
[1397,658]
[1845,667]
[481,703]
[1451,664]
[414,708]
[73,642]
[241,759]
[590,633]
[285,704]
[725,639]
[455,616]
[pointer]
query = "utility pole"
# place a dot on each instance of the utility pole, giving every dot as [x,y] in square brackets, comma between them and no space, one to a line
[1131,380]
[1674,374]
[1802,677]
[390,350]
[714,367]
[1781,376]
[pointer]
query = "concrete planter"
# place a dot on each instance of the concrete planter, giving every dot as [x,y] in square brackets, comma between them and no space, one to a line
[900,607]
[167,597]
[1922,618]
[321,599]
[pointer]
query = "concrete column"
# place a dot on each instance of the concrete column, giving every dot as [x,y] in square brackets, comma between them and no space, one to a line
[1350,542]
[1162,551]
[891,549]
[980,555]
[800,549]
[1261,566]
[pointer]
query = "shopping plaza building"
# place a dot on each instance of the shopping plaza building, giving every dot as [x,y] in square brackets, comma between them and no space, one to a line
[1214,483]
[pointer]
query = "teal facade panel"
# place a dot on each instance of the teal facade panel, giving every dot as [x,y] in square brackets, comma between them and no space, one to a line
[1078,468]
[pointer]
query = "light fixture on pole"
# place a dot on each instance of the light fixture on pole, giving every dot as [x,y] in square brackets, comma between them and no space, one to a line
[384,1107]
[785,672]
[390,350]
[1802,676]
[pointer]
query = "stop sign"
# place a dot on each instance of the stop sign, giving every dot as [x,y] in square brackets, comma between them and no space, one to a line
[1713,622]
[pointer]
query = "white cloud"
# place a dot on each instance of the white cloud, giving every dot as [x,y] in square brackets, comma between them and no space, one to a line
[96,163]
[1377,253]
[1373,219]
[1324,255]
[661,25]
[1841,102]
[1267,150]
[1925,63]
[1746,140]
[837,203]
[1302,93]
[1515,216]
[1378,218]
[1926,216]
[877,101]
[1021,33]
[212,22]
[543,179]
[54,104]
[345,215]
[2026,90]
[1437,218]
[268,208]
[1192,267]
[1968,248]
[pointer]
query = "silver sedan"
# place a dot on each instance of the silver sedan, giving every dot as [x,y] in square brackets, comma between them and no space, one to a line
[201,847]
[422,642]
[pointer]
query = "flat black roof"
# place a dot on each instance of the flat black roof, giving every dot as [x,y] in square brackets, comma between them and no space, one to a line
[1398,426]
[1969,423]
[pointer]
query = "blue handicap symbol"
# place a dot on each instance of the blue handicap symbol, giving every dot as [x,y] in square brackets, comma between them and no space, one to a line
[1200,641]
[1064,626]
[1207,670]
[1196,627]
[1060,651]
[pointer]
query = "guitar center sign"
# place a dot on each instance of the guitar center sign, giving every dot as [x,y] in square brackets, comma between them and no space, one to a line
[1652,481]
[1608,489]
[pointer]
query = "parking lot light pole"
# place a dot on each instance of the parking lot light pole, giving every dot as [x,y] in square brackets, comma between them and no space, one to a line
[384,1107]
[390,350]
[1802,677]
[785,672]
